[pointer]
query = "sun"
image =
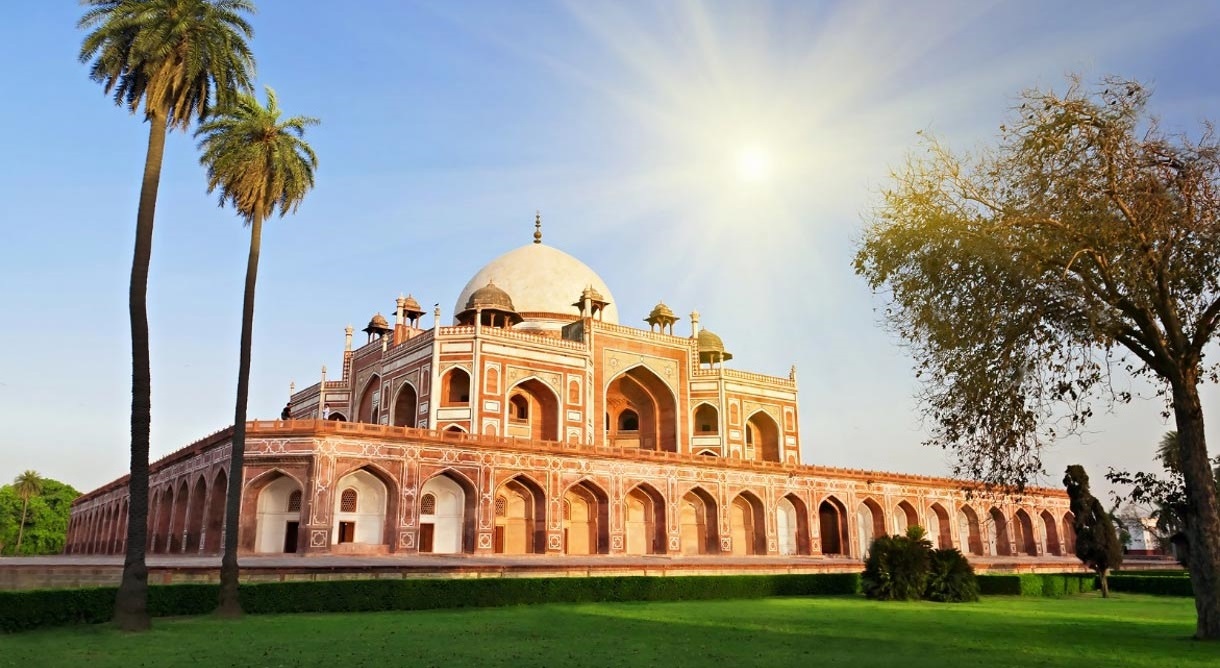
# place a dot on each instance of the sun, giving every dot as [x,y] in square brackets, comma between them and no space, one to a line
[753,164]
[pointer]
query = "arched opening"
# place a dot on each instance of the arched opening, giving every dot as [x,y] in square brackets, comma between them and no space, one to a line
[653,406]
[447,511]
[969,531]
[586,519]
[870,524]
[1001,545]
[520,513]
[177,527]
[747,523]
[370,401]
[792,522]
[762,438]
[455,429]
[1069,534]
[455,388]
[360,509]
[707,420]
[645,520]
[1050,534]
[406,406]
[336,417]
[699,523]
[165,510]
[832,525]
[1023,530]
[533,411]
[628,421]
[279,516]
[194,516]
[904,518]
[213,539]
[518,408]
[941,529]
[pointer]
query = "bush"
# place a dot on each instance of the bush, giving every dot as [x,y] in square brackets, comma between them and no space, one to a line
[951,578]
[897,567]
[1037,584]
[23,610]
[1152,584]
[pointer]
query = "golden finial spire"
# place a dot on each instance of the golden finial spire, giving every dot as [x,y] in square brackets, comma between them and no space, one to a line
[537,227]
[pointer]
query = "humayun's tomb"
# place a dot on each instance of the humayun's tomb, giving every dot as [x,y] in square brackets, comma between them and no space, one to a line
[537,423]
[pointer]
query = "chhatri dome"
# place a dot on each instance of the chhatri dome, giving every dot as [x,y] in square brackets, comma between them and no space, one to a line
[541,281]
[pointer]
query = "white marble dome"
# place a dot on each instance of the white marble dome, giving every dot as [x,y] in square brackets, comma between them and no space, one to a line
[543,283]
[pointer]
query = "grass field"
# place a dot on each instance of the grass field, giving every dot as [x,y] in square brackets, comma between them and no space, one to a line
[1128,630]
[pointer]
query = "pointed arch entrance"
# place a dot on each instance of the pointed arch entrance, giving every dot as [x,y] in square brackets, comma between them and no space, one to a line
[699,522]
[533,411]
[645,520]
[447,510]
[1001,546]
[762,438]
[194,516]
[941,529]
[969,530]
[1069,533]
[641,394]
[832,525]
[586,519]
[1023,528]
[1050,534]
[213,539]
[905,517]
[406,406]
[792,525]
[747,522]
[520,514]
[361,499]
[278,521]
[369,408]
[870,523]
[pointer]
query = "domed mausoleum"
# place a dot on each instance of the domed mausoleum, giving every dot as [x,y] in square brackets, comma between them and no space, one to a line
[536,423]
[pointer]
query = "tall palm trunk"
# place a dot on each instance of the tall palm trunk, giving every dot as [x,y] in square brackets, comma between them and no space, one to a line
[1202,514]
[230,604]
[131,602]
[25,505]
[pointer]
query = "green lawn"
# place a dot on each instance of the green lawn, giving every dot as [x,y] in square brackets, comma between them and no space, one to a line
[1128,630]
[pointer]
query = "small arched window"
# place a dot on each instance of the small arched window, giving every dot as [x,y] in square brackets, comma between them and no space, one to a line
[294,502]
[501,506]
[347,502]
[427,505]
[628,420]
[519,407]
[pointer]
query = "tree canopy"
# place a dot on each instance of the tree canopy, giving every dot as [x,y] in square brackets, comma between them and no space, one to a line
[1087,241]
[46,524]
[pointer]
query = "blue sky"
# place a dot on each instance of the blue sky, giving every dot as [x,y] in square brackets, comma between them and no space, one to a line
[446,125]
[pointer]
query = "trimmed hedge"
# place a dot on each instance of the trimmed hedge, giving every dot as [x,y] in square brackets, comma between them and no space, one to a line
[23,610]
[1152,584]
[1037,584]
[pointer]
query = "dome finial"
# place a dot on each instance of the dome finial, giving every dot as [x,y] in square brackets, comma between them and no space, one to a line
[537,226]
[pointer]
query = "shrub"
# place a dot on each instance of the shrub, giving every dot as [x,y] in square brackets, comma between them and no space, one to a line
[1037,584]
[951,578]
[22,610]
[897,567]
[1152,584]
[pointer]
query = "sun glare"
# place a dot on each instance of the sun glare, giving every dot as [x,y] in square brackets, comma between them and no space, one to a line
[753,164]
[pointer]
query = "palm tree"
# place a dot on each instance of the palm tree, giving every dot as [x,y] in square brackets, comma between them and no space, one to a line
[175,59]
[28,485]
[259,163]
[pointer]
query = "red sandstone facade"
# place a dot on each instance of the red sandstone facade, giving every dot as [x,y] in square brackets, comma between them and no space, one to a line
[536,424]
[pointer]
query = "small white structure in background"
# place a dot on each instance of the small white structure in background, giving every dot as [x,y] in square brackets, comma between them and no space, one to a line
[1145,539]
